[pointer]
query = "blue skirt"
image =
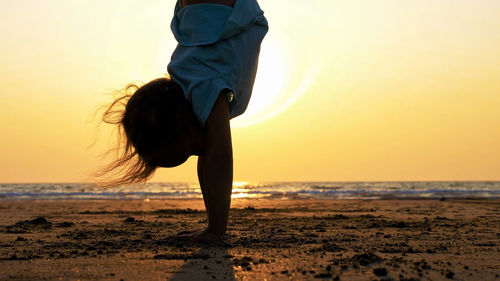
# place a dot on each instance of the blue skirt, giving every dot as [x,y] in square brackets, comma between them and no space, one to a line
[218,48]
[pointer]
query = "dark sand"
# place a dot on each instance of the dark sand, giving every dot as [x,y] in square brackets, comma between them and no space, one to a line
[267,240]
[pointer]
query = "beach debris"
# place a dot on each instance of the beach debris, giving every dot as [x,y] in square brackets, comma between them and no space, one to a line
[261,261]
[129,219]
[246,262]
[398,224]
[181,256]
[366,259]
[323,275]
[65,224]
[39,223]
[14,257]
[178,211]
[243,262]
[80,235]
[327,247]
[338,217]
[449,274]
[399,248]
[380,271]
[422,265]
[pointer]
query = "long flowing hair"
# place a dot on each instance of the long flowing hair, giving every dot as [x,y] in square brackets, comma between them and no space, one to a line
[127,166]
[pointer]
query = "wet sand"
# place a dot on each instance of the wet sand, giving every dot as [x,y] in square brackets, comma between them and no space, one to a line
[267,240]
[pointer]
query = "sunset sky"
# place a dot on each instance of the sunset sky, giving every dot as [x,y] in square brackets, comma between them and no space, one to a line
[347,90]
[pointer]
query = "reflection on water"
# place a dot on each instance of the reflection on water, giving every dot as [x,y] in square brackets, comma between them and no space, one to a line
[217,266]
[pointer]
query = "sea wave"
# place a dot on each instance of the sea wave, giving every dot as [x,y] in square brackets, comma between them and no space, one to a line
[275,190]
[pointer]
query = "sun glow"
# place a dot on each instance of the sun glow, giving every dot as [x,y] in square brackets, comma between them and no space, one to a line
[275,88]
[268,87]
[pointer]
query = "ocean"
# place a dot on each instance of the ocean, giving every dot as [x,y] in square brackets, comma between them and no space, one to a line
[270,190]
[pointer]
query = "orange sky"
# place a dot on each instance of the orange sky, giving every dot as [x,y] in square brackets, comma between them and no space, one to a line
[383,90]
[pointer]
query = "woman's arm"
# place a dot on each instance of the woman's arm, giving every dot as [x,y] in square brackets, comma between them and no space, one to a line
[216,167]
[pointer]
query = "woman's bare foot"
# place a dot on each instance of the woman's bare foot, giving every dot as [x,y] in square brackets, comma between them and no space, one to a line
[201,236]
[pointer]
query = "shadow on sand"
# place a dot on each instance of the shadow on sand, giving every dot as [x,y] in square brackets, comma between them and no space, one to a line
[209,263]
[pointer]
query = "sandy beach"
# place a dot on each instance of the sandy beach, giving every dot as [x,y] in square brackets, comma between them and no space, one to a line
[267,240]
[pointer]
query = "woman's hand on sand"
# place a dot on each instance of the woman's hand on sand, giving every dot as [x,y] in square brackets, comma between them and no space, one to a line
[199,236]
